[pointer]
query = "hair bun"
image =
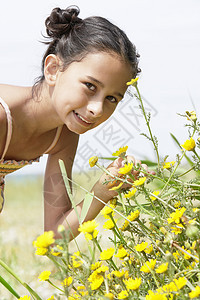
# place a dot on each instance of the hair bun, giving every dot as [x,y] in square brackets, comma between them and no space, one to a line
[61,21]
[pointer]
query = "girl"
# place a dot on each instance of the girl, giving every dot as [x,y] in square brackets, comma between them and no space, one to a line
[84,74]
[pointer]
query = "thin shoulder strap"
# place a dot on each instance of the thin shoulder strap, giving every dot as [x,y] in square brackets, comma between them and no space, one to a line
[56,138]
[9,126]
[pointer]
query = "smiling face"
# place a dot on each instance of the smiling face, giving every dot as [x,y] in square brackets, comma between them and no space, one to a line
[87,92]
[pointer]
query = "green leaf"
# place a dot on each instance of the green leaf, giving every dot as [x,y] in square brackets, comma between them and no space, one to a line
[86,205]
[68,187]
[149,163]
[8,287]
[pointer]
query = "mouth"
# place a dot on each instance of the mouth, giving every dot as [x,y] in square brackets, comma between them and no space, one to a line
[82,119]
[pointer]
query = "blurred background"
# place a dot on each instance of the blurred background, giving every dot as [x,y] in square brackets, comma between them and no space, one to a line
[167,37]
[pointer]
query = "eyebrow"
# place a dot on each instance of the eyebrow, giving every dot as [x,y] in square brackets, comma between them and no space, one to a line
[102,85]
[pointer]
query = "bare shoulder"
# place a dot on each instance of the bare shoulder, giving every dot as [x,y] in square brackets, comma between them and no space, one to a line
[65,150]
[67,143]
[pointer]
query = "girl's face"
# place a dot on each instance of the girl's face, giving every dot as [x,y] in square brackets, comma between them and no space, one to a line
[87,92]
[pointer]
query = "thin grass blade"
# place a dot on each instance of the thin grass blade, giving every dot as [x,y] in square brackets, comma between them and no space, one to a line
[68,187]
[8,287]
[86,205]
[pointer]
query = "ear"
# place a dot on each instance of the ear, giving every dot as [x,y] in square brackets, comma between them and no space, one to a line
[51,68]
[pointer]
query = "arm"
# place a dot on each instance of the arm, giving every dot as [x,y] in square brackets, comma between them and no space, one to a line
[57,206]
[58,209]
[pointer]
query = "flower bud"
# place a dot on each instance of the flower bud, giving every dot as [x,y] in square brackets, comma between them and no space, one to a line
[93,160]
[187,245]
[168,256]
[61,228]
[192,231]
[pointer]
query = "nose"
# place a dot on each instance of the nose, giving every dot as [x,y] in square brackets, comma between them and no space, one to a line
[95,107]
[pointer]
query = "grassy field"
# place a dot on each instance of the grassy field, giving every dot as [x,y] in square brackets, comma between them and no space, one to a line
[21,222]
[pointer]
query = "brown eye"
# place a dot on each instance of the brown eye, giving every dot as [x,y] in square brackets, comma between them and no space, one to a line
[90,86]
[112,99]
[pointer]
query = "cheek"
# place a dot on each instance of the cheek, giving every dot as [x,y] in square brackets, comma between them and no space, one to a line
[108,111]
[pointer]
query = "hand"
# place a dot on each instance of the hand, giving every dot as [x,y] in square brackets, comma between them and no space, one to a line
[102,189]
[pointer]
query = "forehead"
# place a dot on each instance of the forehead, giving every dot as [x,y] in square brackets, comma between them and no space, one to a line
[108,68]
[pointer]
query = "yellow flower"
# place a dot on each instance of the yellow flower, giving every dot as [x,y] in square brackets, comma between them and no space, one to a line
[134,215]
[121,253]
[141,247]
[177,204]
[162,268]
[107,210]
[97,282]
[76,261]
[93,160]
[125,226]
[149,249]
[156,193]
[191,115]
[80,287]
[44,275]
[123,295]
[168,165]
[114,188]
[133,284]
[41,251]
[126,169]
[178,229]
[51,298]
[176,255]
[56,252]
[88,227]
[163,230]
[175,216]
[107,254]
[195,293]
[148,266]
[102,269]
[195,209]
[155,296]
[25,298]
[133,81]
[131,193]
[67,281]
[180,282]
[73,298]
[109,224]
[44,240]
[121,151]
[109,296]
[96,265]
[118,274]
[139,182]
[189,145]
[93,235]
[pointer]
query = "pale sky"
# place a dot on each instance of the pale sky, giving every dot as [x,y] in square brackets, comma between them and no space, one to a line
[167,36]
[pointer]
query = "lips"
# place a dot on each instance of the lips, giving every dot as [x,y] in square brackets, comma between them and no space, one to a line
[81,118]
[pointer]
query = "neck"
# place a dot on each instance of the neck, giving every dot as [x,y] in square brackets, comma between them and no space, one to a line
[40,113]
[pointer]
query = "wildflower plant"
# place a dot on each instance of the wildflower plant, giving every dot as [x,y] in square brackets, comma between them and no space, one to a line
[154,226]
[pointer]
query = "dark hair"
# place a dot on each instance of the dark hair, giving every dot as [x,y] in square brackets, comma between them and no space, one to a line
[72,38]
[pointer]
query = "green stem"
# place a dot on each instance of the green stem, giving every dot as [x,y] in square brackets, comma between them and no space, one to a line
[186,172]
[172,174]
[194,151]
[55,286]
[147,123]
